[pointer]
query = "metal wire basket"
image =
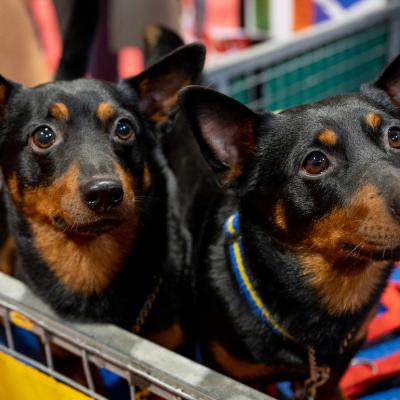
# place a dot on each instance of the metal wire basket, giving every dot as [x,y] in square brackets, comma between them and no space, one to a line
[144,367]
[326,60]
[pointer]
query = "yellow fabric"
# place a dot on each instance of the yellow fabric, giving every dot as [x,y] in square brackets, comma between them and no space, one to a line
[21,382]
[21,321]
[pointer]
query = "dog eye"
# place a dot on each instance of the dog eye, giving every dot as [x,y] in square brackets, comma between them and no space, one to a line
[315,163]
[394,137]
[124,130]
[43,138]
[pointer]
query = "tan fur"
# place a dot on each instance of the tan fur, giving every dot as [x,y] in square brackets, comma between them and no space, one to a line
[13,187]
[3,95]
[105,111]
[242,370]
[172,337]
[339,290]
[160,110]
[88,266]
[246,145]
[280,216]
[146,178]
[373,120]
[343,278]
[328,137]
[166,106]
[59,111]
[90,262]
[7,256]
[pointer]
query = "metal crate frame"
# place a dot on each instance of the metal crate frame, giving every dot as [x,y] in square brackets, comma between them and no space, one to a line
[142,363]
[254,64]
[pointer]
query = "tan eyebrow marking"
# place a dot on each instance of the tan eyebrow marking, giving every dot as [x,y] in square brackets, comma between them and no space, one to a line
[373,120]
[59,111]
[105,111]
[328,137]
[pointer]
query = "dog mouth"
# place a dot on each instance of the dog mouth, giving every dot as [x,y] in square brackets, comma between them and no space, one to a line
[372,251]
[89,229]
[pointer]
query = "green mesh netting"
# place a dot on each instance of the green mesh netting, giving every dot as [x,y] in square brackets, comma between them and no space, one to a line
[337,67]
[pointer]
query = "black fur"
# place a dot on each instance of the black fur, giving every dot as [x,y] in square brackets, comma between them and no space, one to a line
[161,243]
[159,41]
[77,40]
[269,151]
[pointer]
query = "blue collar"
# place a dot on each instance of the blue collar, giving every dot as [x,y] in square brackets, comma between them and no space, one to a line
[244,280]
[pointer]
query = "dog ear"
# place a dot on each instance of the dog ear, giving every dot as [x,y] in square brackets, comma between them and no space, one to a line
[157,87]
[389,81]
[6,89]
[224,128]
[158,42]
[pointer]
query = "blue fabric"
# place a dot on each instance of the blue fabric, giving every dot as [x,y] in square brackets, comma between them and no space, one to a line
[391,394]
[319,14]
[117,388]
[285,390]
[381,310]
[381,349]
[348,3]
[25,343]
[395,277]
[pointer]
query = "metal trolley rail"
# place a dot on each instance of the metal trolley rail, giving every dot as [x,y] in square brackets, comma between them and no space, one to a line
[331,58]
[141,363]
[328,59]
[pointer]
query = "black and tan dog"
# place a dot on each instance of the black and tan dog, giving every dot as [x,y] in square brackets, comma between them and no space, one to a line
[90,200]
[291,260]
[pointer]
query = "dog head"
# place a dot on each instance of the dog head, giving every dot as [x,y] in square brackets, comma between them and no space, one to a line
[321,179]
[76,156]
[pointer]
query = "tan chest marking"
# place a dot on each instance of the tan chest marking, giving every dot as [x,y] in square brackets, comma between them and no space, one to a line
[7,256]
[86,266]
[83,264]
[236,368]
[172,337]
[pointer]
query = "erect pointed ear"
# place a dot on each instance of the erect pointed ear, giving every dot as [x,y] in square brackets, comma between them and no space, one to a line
[6,89]
[389,81]
[157,87]
[158,42]
[224,128]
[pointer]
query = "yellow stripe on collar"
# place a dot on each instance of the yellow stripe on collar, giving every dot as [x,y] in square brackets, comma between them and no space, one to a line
[244,281]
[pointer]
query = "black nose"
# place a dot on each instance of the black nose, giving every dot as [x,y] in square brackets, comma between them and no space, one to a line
[102,194]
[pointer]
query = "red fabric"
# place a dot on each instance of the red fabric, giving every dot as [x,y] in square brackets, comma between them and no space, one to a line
[389,321]
[359,378]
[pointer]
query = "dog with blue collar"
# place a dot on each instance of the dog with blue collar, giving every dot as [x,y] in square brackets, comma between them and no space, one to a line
[294,240]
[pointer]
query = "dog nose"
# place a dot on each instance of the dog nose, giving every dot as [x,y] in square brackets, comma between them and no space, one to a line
[102,195]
